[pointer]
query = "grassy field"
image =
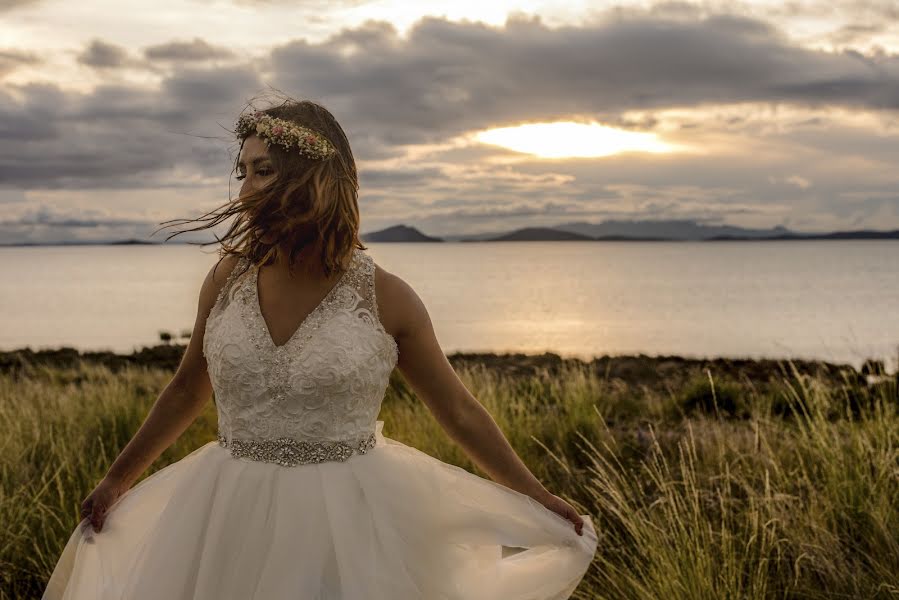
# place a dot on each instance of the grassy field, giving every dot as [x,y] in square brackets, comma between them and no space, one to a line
[707,479]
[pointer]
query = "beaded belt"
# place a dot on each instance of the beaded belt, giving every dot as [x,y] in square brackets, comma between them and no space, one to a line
[289,452]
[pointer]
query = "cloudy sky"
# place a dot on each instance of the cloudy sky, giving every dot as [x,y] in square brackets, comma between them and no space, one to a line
[759,113]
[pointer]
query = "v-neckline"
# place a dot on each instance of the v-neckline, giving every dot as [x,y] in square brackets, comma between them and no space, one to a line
[258,305]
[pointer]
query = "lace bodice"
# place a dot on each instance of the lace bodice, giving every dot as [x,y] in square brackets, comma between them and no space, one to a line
[325,383]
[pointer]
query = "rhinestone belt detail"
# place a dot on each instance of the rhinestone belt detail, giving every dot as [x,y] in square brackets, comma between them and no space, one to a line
[289,452]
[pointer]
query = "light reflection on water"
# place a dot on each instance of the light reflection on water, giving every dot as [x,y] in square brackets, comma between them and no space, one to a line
[815,299]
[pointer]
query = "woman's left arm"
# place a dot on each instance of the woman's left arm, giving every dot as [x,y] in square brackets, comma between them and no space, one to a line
[425,366]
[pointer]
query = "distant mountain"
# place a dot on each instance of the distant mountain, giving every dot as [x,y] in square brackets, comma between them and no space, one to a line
[627,238]
[398,233]
[473,237]
[683,229]
[612,230]
[539,234]
[93,243]
[863,234]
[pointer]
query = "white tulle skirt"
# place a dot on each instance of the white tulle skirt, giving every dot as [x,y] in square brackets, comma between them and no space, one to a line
[394,523]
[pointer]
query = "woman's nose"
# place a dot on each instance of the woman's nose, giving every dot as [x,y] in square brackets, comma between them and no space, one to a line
[245,191]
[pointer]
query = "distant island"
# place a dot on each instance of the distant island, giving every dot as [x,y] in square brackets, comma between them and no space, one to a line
[398,233]
[629,231]
[683,230]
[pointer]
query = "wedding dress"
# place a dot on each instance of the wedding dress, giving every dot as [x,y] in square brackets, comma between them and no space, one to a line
[302,497]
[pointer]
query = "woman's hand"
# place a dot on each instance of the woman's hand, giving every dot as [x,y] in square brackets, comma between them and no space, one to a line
[96,506]
[559,506]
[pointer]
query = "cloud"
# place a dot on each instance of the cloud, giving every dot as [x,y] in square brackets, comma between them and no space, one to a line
[35,221]
[122,136]
[307,4]
[794,180]
[397,95]
[10,60]
[187,51]
[103,55]
[447,78]
[886,10]
[854,33]
[52,217]
[443,80]
[6,5]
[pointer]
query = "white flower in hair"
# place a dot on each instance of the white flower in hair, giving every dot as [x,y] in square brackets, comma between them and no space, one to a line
[285,133]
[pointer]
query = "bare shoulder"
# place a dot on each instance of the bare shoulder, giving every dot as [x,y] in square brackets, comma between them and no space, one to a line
[192,373]
[215,279]
[221,270]
[420,358]
[400,308]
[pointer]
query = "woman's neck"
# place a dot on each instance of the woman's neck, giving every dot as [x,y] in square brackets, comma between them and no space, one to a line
[307,263]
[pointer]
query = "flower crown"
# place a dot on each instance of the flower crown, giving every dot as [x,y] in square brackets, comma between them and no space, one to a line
[285,133]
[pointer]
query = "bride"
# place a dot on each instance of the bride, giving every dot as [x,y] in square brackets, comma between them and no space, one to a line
[301,495]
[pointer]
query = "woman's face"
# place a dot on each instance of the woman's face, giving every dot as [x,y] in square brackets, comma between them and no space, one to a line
[254,168]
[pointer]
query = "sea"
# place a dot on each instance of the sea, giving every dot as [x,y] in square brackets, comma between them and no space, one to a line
[836,300]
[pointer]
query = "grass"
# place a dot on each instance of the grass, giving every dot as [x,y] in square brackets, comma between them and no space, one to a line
[712,487]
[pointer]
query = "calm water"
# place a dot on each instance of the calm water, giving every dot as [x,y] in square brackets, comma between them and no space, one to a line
[837,300]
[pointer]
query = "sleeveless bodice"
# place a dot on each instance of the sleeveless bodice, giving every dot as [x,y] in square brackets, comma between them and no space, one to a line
[326,383]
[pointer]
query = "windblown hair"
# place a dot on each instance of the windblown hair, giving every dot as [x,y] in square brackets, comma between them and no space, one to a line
[309,200]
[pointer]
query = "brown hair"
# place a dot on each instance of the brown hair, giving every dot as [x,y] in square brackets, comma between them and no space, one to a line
[309,200]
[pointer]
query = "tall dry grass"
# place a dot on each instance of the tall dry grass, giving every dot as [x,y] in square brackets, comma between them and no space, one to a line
[714,490]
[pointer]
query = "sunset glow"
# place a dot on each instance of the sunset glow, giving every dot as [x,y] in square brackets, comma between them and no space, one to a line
[462,115]
[569,139]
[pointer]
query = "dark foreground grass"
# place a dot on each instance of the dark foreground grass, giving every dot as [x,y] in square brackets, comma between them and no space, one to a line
[706,487]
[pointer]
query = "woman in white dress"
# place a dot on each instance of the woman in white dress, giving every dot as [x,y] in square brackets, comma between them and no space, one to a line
[301,496]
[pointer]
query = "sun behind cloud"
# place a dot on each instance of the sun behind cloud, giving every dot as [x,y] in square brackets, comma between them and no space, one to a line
[570,139]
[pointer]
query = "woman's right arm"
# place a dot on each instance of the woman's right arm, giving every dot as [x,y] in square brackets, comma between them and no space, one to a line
[175,409]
